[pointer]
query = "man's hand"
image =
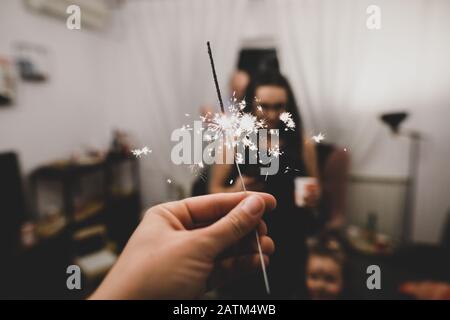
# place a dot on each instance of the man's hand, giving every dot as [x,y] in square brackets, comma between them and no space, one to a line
[183,248]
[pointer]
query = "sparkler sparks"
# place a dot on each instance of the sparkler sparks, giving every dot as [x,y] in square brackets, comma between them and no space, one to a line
[244,128]
[197,170]
[239,158]
[139,152]
[286,117]
[318,138]
[275,151]
[236,126]
[288,169]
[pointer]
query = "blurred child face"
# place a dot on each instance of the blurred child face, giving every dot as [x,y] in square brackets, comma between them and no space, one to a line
[273,101]
[323,278]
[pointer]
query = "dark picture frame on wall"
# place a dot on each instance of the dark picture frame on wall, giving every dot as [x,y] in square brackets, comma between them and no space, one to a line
[7,86]
[32,62]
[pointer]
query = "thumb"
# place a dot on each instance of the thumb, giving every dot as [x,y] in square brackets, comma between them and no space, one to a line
[240,221]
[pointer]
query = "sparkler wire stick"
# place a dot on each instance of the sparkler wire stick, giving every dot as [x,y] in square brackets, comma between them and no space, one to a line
[219,95]
[261,257]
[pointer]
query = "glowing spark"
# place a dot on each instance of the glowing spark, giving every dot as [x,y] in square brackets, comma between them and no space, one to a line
[286,117]
[196,169]
[236,126]
[318,138]
[239,158]
[260,109]
[275,151]
[235,133]
[169,181]
[242,104]
[139,152]
[187,114]
[248,123]
[288,169]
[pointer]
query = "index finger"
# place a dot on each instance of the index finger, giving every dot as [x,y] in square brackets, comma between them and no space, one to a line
[210,208]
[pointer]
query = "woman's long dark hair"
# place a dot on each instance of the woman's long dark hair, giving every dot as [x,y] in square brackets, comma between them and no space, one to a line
[293,139]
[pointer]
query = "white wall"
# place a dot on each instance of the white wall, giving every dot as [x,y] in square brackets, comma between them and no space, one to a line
[404,66]
[51,119]
[84,99]
[258,31]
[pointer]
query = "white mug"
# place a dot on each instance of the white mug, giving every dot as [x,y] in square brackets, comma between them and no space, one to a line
[300,189]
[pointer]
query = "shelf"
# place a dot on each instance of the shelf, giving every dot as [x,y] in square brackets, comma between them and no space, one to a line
[65,169]
[88,211]
[50,227]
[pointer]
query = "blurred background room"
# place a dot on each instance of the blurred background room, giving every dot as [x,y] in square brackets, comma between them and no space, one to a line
[373,98]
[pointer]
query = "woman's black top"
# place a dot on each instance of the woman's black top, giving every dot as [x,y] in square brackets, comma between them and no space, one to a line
[285,226]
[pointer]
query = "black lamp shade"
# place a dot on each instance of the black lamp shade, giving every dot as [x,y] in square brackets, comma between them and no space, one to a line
[393,120]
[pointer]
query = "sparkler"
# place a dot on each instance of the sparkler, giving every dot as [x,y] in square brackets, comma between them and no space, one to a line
[139,152]
[286,117]
[246,123]
[289,169]
[318,138]
[260,109]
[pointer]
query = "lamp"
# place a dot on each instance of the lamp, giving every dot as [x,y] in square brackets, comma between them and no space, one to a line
[393,121]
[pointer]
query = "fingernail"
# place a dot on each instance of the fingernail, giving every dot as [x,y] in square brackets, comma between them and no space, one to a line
[252,205]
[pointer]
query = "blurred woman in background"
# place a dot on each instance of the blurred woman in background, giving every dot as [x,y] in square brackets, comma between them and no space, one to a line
[268,96]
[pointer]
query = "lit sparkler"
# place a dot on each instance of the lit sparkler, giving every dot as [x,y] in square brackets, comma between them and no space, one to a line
[286,117]
[237,125]
[275,151]
[139,152]
[318,138]
[197,170]
[289,169]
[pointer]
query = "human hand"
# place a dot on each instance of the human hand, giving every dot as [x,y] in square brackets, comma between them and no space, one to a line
[182,248]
